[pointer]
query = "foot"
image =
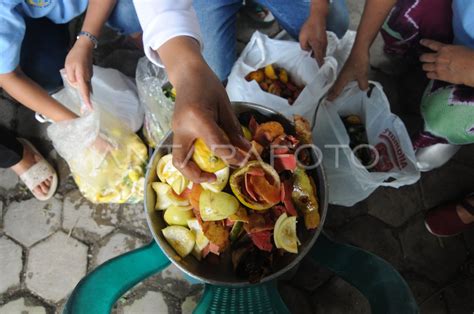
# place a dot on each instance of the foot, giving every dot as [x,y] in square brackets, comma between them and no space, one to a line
[29,160]
[452,219]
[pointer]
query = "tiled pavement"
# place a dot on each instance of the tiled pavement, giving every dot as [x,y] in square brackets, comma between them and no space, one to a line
[45,248]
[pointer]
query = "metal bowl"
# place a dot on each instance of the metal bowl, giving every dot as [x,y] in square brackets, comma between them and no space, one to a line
[221,272]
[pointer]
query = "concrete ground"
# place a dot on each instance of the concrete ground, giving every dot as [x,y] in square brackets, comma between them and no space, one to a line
[46,248]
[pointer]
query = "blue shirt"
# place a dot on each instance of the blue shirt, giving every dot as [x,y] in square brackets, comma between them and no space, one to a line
[12,23]
[463,22]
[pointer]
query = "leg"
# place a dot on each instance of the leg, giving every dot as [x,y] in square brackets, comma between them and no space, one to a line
[124,18]
[43,52]
[448,112]
[412,20]
[217,19]
[11,150]
[292,14]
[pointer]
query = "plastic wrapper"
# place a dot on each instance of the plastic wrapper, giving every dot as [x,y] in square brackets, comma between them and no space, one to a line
[151,80]
[106,158]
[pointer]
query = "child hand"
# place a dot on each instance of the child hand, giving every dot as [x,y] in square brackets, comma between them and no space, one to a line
[448,63]
[79,68]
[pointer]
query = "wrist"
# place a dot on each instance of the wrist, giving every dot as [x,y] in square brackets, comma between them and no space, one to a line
[84,43]
[181,55]
[87,39]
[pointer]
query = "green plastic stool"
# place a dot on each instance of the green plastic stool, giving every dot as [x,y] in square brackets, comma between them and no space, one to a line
[376,279]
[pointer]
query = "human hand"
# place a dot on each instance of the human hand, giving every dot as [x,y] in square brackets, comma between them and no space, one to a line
[449,63]
[313,37]
[79,68]
[356,68]
[203,110]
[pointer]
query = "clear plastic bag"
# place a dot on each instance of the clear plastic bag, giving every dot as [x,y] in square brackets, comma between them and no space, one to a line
[151,80]
[106,158]
[112,92]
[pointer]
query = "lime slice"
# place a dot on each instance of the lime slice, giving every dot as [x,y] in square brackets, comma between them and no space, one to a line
[220,183]
[217,206]
[201,240]
[176,216]
[285,234]
[160,168]
[180,238]
[167,173]
[278,227]
[165,196]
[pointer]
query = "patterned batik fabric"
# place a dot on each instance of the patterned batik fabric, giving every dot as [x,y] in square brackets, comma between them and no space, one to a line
[412,20]
[448,112]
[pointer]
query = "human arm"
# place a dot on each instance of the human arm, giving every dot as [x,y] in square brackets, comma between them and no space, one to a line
[357,65]
[202,109]
[27,92]
[449,63]
[79,60]
[171,37]
[313,32]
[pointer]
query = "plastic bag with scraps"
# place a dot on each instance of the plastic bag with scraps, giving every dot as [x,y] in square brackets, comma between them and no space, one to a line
[107,159]
[302,70]
[156,96]
[392,161]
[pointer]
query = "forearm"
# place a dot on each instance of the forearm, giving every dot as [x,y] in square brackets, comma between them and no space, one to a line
[31,95]
[375,13]
[319,9]
[179,55]
[98,12]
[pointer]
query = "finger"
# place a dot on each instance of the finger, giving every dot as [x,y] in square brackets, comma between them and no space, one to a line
[319,54]
[432,44]
[220,144]
[182,153]
[304,43]
[428,57]
[231,126]
[70,73]
[432,75]
[363,83]
[84,91]
[429,67]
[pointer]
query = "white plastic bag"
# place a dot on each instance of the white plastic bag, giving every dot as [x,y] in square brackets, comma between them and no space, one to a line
[303,69]
[113,93]
[158,108]
[349,182]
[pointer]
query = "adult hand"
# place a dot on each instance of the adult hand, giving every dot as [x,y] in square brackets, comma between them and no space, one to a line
[356,68]
[203,110]
[79,68]
[449,63]
[313,37]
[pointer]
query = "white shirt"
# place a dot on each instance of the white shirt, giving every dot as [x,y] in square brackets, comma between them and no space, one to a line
[162,20]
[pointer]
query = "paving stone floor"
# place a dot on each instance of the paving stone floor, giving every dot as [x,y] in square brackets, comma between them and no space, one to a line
[47,247]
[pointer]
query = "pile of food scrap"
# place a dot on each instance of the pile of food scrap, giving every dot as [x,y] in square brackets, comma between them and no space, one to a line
[255,213]
[358,139]
[276,80]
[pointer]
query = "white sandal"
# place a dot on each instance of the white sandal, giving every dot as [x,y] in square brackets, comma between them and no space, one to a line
[38,173]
